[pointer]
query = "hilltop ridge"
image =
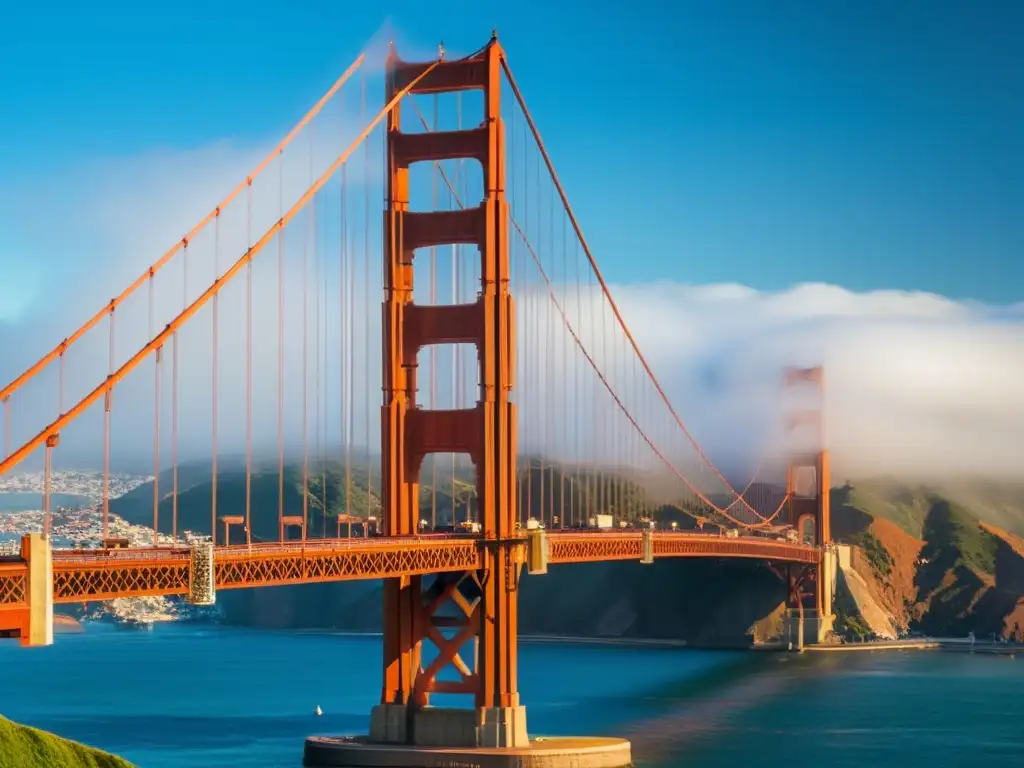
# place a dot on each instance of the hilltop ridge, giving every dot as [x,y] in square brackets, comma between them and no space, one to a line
[941,559]
[937,557]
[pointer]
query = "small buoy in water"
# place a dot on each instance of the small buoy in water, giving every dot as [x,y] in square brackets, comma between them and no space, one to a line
[318,710]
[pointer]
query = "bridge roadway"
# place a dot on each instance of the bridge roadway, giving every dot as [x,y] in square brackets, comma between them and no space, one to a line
[86,575]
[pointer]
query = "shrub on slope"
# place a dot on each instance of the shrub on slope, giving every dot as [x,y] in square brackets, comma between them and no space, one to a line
[24,747]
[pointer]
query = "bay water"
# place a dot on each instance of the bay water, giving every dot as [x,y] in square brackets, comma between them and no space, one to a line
[192,696]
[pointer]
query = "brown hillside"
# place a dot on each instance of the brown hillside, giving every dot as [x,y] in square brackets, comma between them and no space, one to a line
[896,590]
[890,580]
[1010,577]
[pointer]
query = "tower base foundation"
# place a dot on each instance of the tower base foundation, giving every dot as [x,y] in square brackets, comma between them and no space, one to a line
[813,629]
[500,727]
[554,752]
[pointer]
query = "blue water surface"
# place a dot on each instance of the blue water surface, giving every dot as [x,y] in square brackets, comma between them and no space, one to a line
[194,696]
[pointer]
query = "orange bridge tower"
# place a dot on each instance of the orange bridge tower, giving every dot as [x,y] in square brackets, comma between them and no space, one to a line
[483,599]
[808,481]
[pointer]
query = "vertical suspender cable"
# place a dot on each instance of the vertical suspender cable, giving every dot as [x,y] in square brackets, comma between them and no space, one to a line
[47,519]
[158,358]
[316,327]
[322,451]
[7,426]
[174,400]
[106,437]
[216,344]
[459,400]
[543,390]
[305,363]
[433,347]
[174,439]
[60,385]
[564,360]
[346,342]
[528,359]
[280,358]
[581,498]
[248,371]
[366,292]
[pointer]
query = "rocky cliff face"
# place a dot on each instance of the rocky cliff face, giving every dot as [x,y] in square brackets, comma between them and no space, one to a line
[933,562]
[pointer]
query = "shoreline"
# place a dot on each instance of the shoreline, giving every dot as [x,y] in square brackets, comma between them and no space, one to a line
[637,642]
[68,624]
[943,644]
[64,624]
[533,638]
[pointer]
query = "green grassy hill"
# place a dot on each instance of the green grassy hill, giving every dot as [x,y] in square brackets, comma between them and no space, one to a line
[24,747]
[571,492]
[195,499]
[908,505]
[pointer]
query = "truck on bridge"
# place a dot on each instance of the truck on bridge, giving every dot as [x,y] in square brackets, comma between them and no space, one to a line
[465,527]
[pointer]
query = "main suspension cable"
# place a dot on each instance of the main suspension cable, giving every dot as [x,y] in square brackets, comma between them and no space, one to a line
[108,384]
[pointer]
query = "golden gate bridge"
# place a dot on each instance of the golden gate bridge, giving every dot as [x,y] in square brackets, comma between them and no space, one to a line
[500,342]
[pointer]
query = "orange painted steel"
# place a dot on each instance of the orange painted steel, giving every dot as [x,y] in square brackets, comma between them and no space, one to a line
[13,582]
[592,547]
[675,545]
[107,579]
[85,575]
[448,590]
[813,506]
[113,304]
[90,575]
[343,561]
[14,597]
[597,547]
[158,341]
[486,432]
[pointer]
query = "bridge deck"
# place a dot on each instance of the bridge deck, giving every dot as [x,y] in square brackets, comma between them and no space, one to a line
[86,575]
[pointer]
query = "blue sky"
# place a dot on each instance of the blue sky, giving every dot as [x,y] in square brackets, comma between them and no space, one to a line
[864,145]
[848,142]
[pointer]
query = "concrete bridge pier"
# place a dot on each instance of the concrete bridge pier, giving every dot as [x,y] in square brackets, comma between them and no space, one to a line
[35,549]
[809,629]
[810,612]
[26,592]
